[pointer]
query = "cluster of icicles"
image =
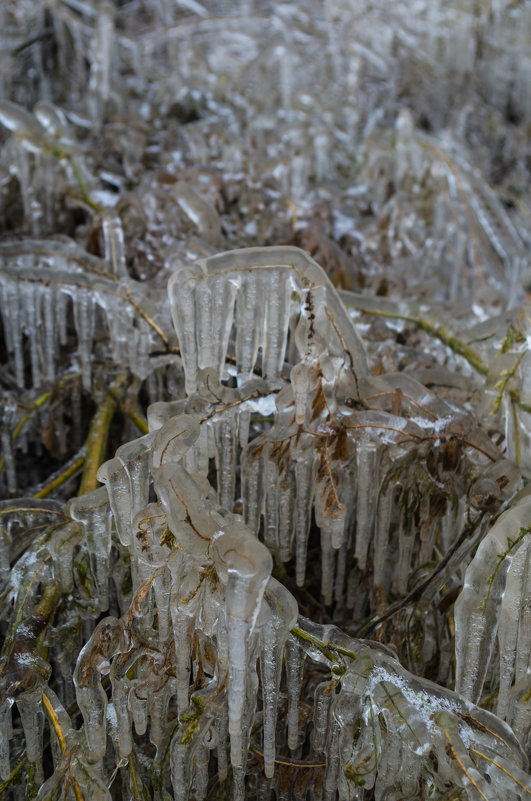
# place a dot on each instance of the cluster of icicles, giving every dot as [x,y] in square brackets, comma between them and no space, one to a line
[99,291]
[208,660]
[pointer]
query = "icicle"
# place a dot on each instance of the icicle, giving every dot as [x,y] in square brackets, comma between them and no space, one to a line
[341,570]
[113,239]
[271,516]
[477,608]
[322,699]
[406,543]
[244,566]
[523,650]
[54,123]
[367,495]
[244,423]
[181,292]
[6,438]
[32,718]
[93,662]
[299,178]
[180,775]
[189,516]
[202,756]
[83,320]
[114,475]
[249,321]
[302,381]
[5,553]
[513,637]
[294,658]
[135,457]
[126,477]
[61,300]
[519,711]
[62,547]
[182,632]
[327,567]
[93,511]
[158,712]
[120,693]
[335,524]
[50,335]
[276,326]
[429,527]
[16,330]
[222,732]
[283,617]
[223,299]
[198,209]
[183,750]
[253,486]
[31,312]
[5,313]
[162,591]
[206,338]
[138,708]
[304,483]
[333,760]
[226,449]
[101,61]
[286,508]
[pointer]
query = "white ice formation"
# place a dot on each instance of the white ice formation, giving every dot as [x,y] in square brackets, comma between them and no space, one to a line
[350,444]
[199,651]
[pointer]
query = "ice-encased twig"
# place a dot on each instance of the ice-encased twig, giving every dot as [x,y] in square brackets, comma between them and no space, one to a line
[393,706]
[244,566]
[42,278]
[247,273]
[494,591]
[284,612]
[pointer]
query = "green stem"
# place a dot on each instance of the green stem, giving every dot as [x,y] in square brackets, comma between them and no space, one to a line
[134,780]
[456,345]
[41,400]
[501,386]
[85,194]
[511,544]
[61,478]
[328,649]
[13,775]
[23,420]
[135,416]
[96,442]
[516,426]
[321,646]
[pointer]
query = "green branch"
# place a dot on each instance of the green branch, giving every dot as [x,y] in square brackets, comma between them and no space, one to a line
[60,479]
[450,340]
[23,420]
[330,650]
[501,557]
[13,775]
[96,442]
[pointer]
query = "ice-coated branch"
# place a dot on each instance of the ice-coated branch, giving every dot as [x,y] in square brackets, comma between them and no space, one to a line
[494,605]
[232,289]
